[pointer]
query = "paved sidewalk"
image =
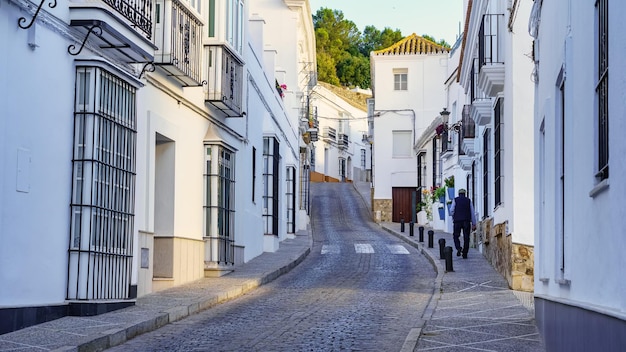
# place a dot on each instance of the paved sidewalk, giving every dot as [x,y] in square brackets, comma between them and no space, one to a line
[99,332]
[472,308]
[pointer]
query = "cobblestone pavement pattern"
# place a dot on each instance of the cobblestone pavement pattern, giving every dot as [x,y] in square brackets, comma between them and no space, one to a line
[360,289]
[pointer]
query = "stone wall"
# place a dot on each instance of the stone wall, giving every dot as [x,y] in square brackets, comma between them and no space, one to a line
[515,262]
[382,209]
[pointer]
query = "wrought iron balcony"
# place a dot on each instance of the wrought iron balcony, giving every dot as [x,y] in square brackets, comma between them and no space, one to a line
[329,134]
[120,28]
[225,80]
[480,111]
[178,34]
[343,141]
[468,132]
[491,54]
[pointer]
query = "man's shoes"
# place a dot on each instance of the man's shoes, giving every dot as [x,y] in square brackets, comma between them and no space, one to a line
[464,256]
[458,252]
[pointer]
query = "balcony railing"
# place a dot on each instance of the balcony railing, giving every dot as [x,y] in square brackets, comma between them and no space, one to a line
[343,141]
[490,43]
[225,75]
[329,134]
[138,12]
[179,38]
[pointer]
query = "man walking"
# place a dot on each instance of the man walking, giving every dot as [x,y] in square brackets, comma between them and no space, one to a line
[463,217]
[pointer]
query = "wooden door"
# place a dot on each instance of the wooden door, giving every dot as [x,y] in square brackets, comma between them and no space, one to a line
[401,203]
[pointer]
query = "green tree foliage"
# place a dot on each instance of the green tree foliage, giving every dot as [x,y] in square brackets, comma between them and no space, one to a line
[343,53]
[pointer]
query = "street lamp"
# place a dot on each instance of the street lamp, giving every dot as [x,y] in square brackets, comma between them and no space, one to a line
[445,117]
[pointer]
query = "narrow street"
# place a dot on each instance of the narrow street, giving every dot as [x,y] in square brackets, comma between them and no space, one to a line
[359,289]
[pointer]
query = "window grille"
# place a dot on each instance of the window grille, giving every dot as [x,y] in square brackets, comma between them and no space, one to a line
[497,158]
[602,88]
[271,162]
[103,188]
[219,203]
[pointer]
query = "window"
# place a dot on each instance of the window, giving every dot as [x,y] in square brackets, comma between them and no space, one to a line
[271,162]
[291,199]
[435,154]
[219,203]
[211,21]
[234,28]
[253,173]
[497,157]
[602,88]
[401,144]
[400,77]
[363,159]
[103,186]
[486,173]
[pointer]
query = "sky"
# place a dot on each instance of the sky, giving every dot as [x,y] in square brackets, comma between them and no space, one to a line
[437,18]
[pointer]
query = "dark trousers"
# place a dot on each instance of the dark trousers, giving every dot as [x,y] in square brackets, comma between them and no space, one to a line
[465,226]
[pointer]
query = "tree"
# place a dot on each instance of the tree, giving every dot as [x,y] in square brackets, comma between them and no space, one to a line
[343,53]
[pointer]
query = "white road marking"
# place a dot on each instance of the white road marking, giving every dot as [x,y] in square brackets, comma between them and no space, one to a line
[397,249]
[363,248]
[330,249]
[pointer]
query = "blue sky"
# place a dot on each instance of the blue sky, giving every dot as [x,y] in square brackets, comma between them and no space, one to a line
[438,18]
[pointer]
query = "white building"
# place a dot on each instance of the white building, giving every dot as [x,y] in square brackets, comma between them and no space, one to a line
[495,72]
[580,303]
[407,83]
[341,150]
[140,163]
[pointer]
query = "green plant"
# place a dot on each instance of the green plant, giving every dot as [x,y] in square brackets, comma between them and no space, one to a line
[420,206]
[449,181]
[439,192]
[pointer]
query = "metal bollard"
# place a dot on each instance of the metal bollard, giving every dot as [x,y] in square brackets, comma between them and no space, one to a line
[421,230]
[411,228]
[431,233]
[401,225]
[442,245]
[448,256]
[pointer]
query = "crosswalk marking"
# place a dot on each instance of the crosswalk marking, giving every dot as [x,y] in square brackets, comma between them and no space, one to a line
[397,249]
[364,248]
[330,249]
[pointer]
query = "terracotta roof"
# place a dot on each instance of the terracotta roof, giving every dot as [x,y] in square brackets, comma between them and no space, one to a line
[358,100]
[413,44]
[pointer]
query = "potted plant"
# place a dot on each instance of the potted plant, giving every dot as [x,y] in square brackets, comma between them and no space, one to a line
[442,214]
[449,204]
[440,193]
[449,182]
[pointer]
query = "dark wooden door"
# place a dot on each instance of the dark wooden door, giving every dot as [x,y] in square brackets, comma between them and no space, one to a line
[401,203]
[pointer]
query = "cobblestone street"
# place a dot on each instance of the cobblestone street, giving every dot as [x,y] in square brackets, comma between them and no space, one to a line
[359,289]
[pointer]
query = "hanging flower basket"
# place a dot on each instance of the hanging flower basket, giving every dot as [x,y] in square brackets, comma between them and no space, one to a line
[442,214]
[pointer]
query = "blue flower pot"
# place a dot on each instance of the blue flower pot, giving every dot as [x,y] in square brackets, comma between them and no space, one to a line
[450,193]
[442,214]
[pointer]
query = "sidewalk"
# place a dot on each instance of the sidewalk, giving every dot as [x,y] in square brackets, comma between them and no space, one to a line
[99,332]
[472,307]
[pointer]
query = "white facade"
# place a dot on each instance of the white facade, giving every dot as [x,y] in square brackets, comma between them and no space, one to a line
[147,144]
[342,150]
[495,72]
[578,206]
[408,96]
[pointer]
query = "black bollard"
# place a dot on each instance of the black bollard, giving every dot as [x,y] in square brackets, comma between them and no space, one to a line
[442,245]
[431,233]
[401,225]
[448,256]
[411,228]
[421,230]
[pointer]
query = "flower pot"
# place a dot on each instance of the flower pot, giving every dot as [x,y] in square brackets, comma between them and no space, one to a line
[449,205]
[442,214]
[442,199]
[450,193]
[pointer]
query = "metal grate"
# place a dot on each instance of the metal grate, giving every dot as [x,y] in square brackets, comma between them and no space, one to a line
[139,13]
[103,189]
[490,40]
[602,88]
